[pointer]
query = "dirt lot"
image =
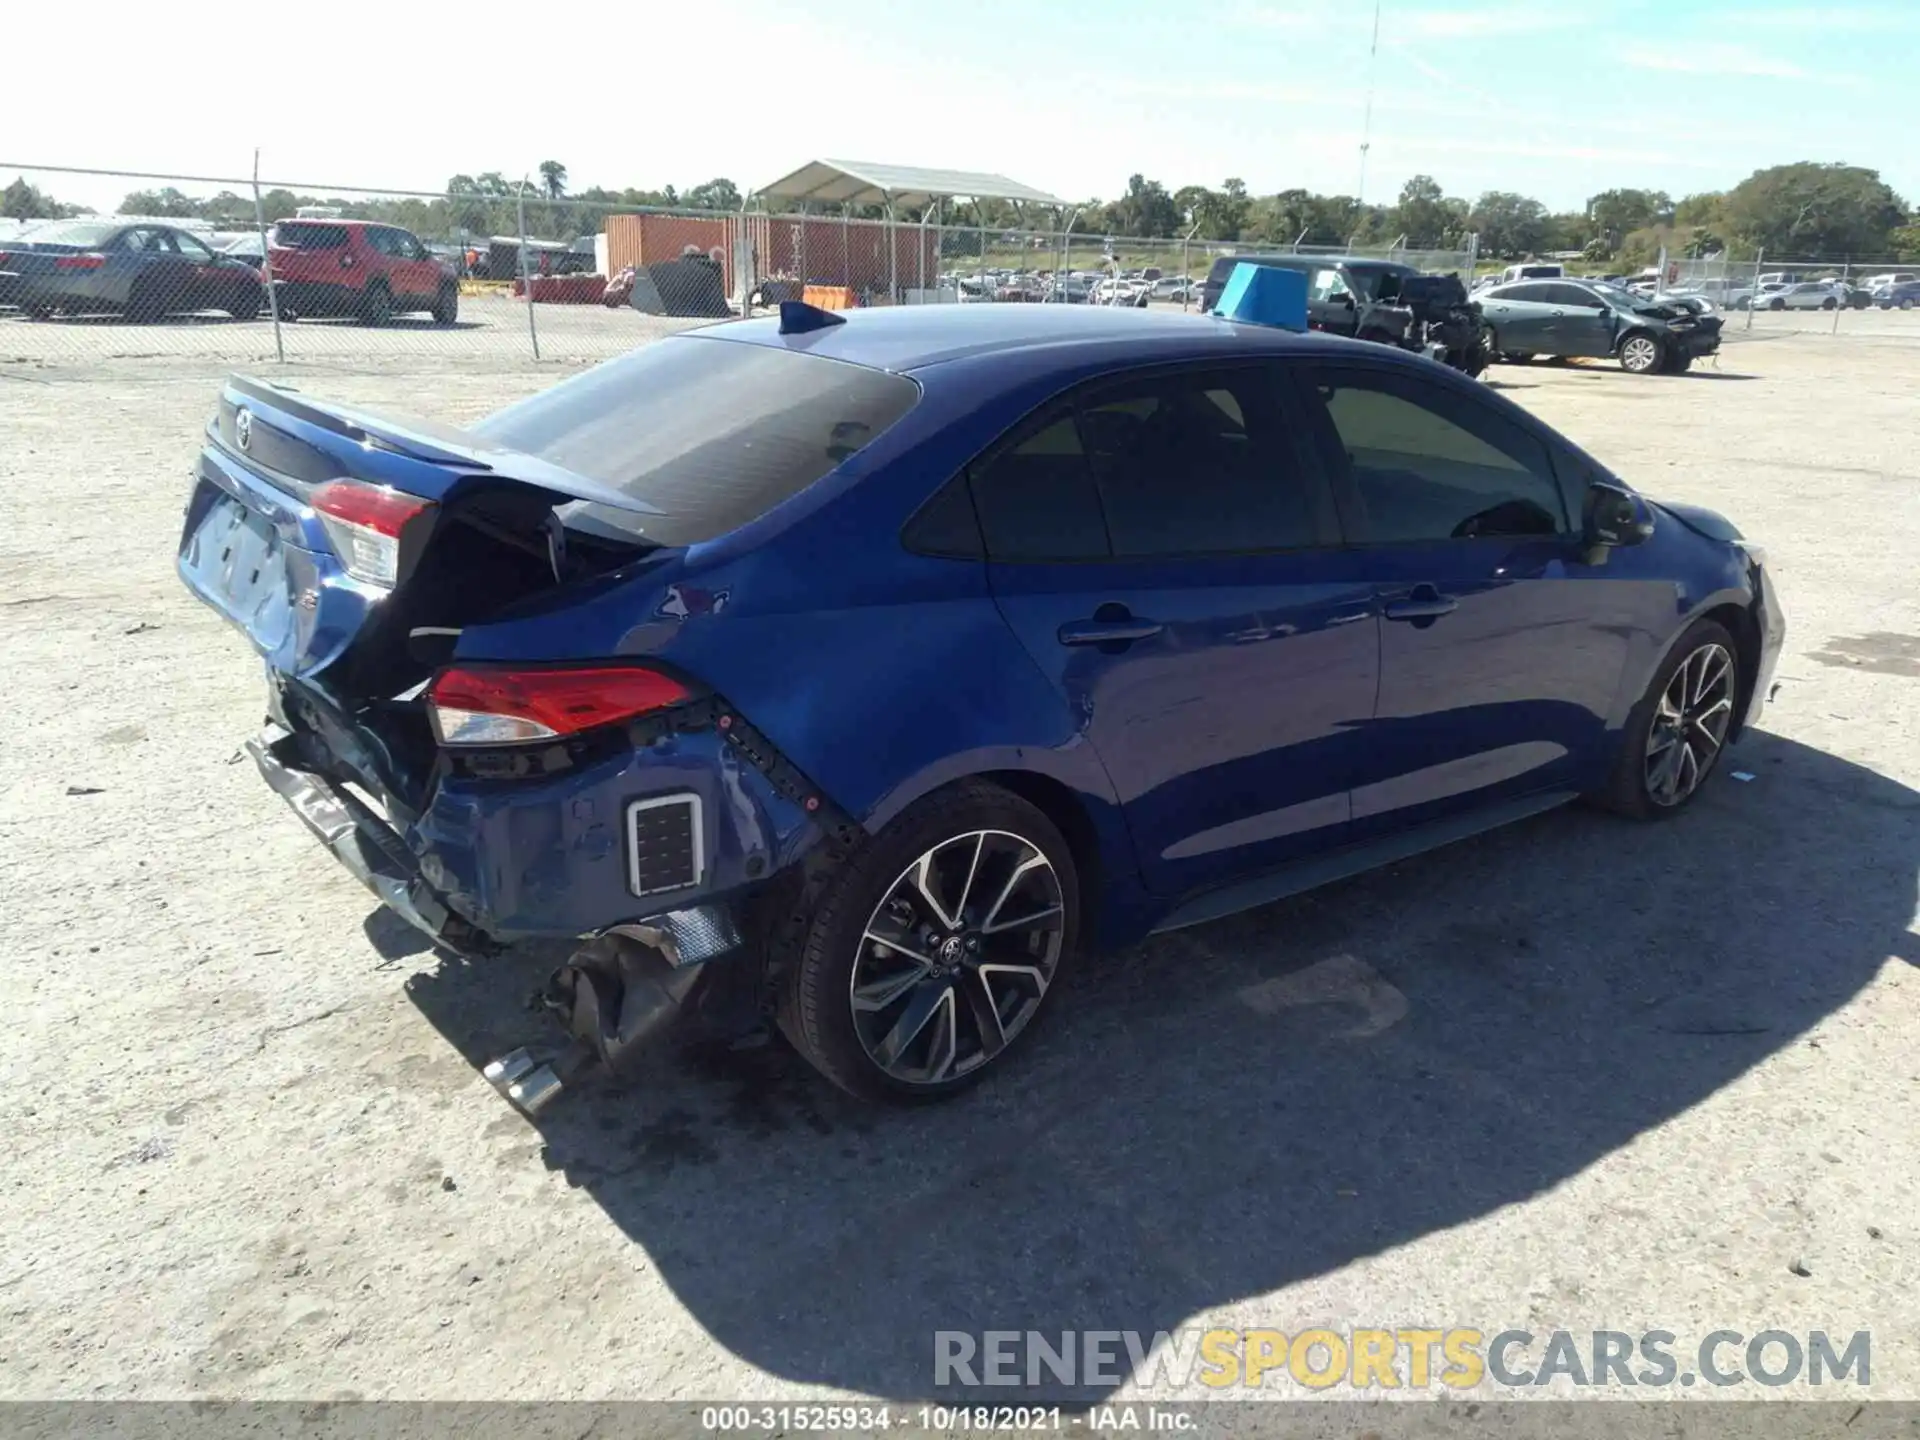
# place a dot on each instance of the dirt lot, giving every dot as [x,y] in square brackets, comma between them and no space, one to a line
[1579,1074]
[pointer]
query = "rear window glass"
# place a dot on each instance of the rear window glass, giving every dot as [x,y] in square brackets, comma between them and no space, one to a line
[310,237]
[80,233]
[713,433]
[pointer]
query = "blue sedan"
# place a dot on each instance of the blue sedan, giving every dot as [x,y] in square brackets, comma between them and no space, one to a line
[856,674]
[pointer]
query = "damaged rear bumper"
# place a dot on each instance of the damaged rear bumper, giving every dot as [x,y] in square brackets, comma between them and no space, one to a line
[363,842]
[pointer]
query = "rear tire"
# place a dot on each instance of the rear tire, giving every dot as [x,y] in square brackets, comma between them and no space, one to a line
[927,1017]
[1691,731]
[1907,304]
[143,302]
[376,306]
[1829,303]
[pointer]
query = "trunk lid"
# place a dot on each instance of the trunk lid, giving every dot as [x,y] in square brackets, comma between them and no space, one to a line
[255,547]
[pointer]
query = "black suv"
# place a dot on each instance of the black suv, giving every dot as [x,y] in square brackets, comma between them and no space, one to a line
[1379,300]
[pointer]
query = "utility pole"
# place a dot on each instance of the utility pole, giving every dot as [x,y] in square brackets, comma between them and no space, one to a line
[1366,125]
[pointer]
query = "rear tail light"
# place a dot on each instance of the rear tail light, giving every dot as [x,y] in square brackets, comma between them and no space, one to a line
[364,523]
[79,262]
[502,706]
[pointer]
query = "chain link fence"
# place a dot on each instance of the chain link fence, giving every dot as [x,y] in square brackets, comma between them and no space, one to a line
[245,270]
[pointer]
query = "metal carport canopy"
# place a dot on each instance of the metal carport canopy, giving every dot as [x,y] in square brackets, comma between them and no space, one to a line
[855,182]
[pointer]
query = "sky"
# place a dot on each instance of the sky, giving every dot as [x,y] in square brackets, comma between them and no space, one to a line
[1554,100]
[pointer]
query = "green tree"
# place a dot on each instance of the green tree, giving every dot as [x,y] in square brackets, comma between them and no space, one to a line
[1814,209]
[1707,208]
[1906,242]
[720,194]
[1146,209]
[1615,214]
[167,202]
[1509,224]
[21,201]
[1423,214]
[553,176]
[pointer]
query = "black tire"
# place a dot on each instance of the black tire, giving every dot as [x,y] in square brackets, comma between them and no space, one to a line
[1628,791]
[1907,304]
[143,302]
[1642,352]
[376,306]
[446,305]
[246,305]
[1516,357]
[1776,305]
[817,1009]
[39,312]
[1829,303]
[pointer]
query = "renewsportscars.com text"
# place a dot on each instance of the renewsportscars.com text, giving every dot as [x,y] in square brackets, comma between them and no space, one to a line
[1459,1358]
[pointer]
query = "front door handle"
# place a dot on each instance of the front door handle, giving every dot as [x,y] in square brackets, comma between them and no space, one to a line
[1108,632]
[1425,603]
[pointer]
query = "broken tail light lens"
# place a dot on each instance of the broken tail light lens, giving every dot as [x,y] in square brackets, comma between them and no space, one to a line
[488,705]
[364,523]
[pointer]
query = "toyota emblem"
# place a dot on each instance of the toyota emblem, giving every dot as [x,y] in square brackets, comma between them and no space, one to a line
[243,429]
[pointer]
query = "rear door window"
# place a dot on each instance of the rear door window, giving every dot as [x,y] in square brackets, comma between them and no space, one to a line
[1036,498]
[712,433]
[1198,463]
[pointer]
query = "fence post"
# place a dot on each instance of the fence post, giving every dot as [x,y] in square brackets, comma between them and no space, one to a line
[266,261]
[1846,273]
[1753,295]
[526,277]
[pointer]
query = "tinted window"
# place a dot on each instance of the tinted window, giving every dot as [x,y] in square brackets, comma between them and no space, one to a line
[1429,464]
[1197,464]
[1036,500]
[303,235]
[188,246]
[713,433]
[1576,296]
[1325,284]
[1534,293]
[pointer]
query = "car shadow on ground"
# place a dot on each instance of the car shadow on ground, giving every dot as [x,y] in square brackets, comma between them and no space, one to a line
[1216,1114]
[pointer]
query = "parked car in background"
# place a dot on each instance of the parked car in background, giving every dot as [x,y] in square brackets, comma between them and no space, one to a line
[141,271]
[1903,296]
[607,665]
[1584,318]
[1889,280]
[359,269]
[245,246]
[1807,295]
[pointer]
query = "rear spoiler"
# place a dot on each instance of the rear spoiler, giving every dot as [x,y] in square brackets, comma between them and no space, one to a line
[432,444]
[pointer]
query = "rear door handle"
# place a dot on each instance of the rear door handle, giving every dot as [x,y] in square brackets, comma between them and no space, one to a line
[1425,603]
[1108,632]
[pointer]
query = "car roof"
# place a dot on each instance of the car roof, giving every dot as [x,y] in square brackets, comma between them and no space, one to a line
[912,337]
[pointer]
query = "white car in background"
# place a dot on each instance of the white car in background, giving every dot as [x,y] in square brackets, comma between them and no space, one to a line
[1807,295]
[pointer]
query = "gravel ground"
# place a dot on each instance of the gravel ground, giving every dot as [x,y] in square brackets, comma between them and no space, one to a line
[1577,1074]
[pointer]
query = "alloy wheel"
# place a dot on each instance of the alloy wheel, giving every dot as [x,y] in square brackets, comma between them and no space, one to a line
[1689,725]
[1639,353]
[957,956]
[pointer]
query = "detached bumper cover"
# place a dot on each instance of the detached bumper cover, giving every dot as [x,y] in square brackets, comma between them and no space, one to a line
[1773,633]
[361,841]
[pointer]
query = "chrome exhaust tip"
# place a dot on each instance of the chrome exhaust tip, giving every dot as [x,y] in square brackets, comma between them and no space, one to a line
[508,1068]
[533,1091]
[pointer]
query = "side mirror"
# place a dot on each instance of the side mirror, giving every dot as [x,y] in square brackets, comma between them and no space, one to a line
[1614,516]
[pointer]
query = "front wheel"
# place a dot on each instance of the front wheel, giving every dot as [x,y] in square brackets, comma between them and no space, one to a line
[1641,354]
[246,304]
[931,953]
[1829,303]
[446,305]
[1676,733]
[1907,304]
